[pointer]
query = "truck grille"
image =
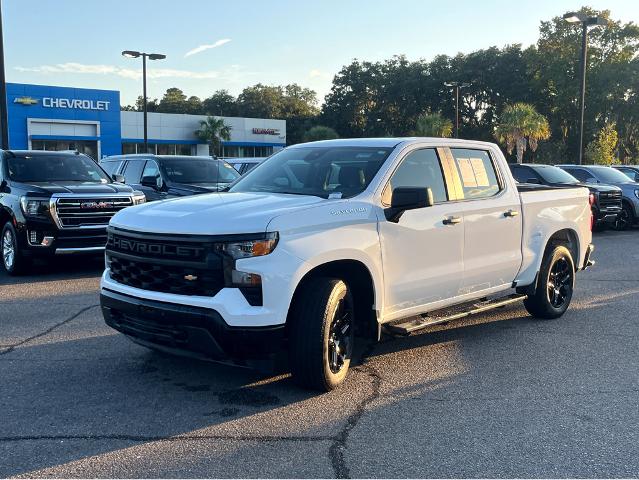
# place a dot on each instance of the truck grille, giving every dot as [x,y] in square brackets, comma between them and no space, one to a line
[171,264]
[610,199]
[76,212]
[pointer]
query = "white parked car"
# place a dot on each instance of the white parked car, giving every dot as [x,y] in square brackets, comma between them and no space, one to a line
[327,239]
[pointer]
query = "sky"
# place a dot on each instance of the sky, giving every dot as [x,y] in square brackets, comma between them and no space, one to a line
[212,45]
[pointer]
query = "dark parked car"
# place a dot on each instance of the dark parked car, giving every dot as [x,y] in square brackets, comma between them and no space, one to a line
[606,205]
[168,176]
[55,203]
[631,171]
[600,174]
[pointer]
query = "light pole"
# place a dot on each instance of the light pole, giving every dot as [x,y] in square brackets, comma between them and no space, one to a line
[586,21]
[150,56]
[457,86]
[4,132]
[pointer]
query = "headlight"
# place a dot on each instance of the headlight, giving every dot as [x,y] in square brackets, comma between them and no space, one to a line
[34,207]
[138,198]
[251,248]
[637,193]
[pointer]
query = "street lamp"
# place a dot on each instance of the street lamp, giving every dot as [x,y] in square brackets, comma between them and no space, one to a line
[150,56]
[457,86]
[4,135]
[586,21]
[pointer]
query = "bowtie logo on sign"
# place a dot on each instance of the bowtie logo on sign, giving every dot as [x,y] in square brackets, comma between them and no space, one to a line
[25,100]
[75,103]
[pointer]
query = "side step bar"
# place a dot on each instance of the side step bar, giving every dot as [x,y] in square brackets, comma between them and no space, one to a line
[410,325]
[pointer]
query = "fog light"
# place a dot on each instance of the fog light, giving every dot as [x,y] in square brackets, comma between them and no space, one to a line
[245,279]
[33,237]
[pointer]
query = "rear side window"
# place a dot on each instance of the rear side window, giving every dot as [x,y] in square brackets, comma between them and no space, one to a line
[580,174]
[521,174]
[133,171]
[420,168]
[476,172]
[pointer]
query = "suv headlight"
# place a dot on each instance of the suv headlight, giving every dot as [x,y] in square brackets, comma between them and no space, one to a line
[138,198]
[251,248]
[637,193]
[34,207]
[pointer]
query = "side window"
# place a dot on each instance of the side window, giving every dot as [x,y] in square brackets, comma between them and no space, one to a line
[133,171]
[579,174]
[420,168]
[476,172]
[521,174]
[110,167]
[151,169]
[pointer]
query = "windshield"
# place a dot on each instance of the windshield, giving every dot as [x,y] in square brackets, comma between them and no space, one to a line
[55,168]
[320,171]
[198,170]
[552,174]
[610,175]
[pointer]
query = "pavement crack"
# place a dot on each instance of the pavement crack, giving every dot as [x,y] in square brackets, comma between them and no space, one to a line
[337,450]
[11,347]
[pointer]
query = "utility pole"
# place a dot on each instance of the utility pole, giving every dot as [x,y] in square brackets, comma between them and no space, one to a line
[4,119]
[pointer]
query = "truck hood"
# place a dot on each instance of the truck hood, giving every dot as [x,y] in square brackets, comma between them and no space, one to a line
[211,214]
[82,188]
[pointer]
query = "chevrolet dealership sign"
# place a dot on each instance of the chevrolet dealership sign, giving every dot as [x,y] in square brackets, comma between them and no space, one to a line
[25,100]
[74,103]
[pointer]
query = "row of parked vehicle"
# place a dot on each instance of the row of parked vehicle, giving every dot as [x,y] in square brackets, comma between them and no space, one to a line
[615,190]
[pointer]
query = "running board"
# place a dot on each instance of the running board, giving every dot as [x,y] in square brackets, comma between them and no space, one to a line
[410,325]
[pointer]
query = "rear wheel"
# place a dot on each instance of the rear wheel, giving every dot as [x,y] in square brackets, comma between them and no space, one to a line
[321,334]
[12,260]
[555,285]
[626,218]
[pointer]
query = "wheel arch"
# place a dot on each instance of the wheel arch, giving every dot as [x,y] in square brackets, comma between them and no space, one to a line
[568,238]
[360,281]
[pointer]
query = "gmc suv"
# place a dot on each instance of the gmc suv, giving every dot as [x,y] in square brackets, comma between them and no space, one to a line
[54,203]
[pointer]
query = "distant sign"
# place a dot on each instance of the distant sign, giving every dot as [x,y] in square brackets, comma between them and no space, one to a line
[266,131]
[74,103]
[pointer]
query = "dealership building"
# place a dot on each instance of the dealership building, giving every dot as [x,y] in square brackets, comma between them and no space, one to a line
[64,118]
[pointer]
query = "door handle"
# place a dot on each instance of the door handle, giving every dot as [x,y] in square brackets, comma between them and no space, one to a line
[452,220]
[511,213]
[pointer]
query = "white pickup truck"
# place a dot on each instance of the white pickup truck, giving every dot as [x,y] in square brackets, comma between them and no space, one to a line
[328,239]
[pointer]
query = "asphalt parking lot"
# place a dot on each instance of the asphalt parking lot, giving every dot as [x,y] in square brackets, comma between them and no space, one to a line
[501,395]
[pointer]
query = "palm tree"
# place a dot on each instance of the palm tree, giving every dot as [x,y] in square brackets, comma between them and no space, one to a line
[520,124]
[433,125]
[213,131]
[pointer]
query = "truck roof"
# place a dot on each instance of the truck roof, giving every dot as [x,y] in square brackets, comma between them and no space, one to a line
[389,142]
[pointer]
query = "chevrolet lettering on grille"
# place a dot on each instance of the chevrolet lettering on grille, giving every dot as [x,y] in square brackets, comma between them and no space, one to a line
[135,246]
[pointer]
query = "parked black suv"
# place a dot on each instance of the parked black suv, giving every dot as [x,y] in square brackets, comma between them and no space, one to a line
[607,198]
[167,176]
[54,203]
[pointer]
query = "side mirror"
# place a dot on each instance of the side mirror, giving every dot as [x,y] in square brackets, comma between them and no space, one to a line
[153,181]
[117,178]
[534,180]
[408,198]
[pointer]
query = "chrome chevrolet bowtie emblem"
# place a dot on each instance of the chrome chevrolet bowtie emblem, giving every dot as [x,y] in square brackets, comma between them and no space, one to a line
[25,100]
[190,278]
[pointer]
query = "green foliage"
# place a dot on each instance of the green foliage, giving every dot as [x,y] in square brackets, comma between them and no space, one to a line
[433,125]
[521,125]
[601,151]
[213,131]
[320,132]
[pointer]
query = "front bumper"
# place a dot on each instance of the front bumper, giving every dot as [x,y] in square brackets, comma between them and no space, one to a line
[192,331]
[32,235]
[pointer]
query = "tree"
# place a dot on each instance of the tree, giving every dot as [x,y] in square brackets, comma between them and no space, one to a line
[433,125]
[173,101]
[213,131]
[220,103]
[320,132]
[601,151]
[520,124]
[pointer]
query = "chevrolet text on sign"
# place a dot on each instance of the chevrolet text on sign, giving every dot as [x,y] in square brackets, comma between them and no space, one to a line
[75,103]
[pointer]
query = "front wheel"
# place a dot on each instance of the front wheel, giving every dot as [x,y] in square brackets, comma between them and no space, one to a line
[626,218]
[12,260]
[321,334]
[555,285]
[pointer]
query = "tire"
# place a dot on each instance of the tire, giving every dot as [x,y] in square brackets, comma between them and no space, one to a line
[12,260]
[321,334]
[555,284]
[626,217]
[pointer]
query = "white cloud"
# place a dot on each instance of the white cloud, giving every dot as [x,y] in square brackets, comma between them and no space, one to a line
[79,68]
[202,48]
[315,73]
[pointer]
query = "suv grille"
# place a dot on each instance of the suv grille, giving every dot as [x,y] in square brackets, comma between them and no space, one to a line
[610,199]
[169,264]
[75,212]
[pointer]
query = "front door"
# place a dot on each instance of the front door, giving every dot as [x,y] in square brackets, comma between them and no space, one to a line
[423,252]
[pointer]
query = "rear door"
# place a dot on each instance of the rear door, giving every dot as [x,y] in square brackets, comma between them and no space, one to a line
[422,252]
[492,219]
